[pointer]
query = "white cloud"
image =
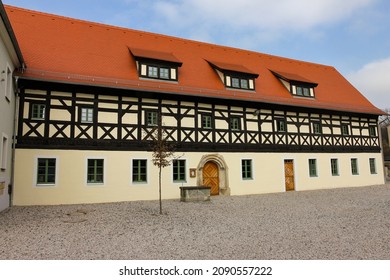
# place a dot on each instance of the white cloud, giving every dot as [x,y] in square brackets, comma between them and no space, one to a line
[261,14]
[250,24]
[373,80]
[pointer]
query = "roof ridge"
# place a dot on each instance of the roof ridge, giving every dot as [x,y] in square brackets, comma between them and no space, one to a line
[192,41]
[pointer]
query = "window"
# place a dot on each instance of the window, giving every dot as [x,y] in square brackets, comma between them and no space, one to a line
[303,91]
[46,171]
[179,170]
[372,166]
[207,122]
[372,131]
[244,83]
[8,85]
[152,71]
[235,82]
[4,152]
[281,125]
[334,165]
[313,167]
[235,123]
[241,83]
[345,129]
[38,111]
[139,171]
[152,118]
[317,129]
[162,72]
[354,166]
[246,169]
[95,172]
[86,115]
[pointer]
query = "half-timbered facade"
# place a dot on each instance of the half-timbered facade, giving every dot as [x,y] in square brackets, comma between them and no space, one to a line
[10,58]
[242,122]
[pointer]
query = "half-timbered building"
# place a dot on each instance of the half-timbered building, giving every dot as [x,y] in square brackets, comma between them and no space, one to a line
[10,58]
[242,122]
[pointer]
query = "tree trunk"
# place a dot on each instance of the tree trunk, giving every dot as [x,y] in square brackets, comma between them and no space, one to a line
[159,189]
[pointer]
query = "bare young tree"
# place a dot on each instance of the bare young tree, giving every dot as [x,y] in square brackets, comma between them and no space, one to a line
[163,154]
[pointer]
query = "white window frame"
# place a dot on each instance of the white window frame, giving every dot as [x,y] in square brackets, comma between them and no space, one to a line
[4,152]
[40,185]
[104,172]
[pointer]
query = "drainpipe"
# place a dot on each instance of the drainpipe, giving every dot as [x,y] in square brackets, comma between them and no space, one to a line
[16,112]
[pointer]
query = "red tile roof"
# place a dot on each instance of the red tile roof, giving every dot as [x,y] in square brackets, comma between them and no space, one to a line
[75,51]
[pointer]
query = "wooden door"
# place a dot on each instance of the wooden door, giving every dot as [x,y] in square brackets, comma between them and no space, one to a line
[289,174]
[211,177]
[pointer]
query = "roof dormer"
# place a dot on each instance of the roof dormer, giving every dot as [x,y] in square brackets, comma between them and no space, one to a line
[156,65]
[235,76]
[296,84]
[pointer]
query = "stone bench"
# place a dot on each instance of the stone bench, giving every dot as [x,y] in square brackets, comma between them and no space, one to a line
[196,193]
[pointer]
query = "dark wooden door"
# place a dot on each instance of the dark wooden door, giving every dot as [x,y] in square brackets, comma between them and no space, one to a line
[289,174]
[211,177]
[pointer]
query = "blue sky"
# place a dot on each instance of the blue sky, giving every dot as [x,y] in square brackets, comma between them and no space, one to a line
[351,35]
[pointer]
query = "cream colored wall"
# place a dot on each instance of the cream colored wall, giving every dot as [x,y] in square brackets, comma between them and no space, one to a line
[325,180]
[268,175]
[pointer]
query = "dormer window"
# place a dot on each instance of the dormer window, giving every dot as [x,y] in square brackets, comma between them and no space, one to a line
[156,65]
[296,84]
[235,76]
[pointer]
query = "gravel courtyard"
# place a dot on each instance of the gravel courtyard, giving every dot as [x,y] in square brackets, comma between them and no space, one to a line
[350,223]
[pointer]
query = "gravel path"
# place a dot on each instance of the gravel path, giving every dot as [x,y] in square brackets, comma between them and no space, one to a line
[350,223]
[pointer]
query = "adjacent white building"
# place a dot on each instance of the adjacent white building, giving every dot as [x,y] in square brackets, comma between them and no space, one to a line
[10,58]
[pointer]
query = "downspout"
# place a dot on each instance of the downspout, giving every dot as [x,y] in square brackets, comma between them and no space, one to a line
[13,154]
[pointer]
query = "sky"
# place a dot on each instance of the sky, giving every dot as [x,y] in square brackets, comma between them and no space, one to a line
[351,35]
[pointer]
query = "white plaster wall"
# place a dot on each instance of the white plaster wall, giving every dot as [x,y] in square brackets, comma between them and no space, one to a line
[6,121]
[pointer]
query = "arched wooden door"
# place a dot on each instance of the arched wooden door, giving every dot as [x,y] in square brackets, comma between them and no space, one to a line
[211,177]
